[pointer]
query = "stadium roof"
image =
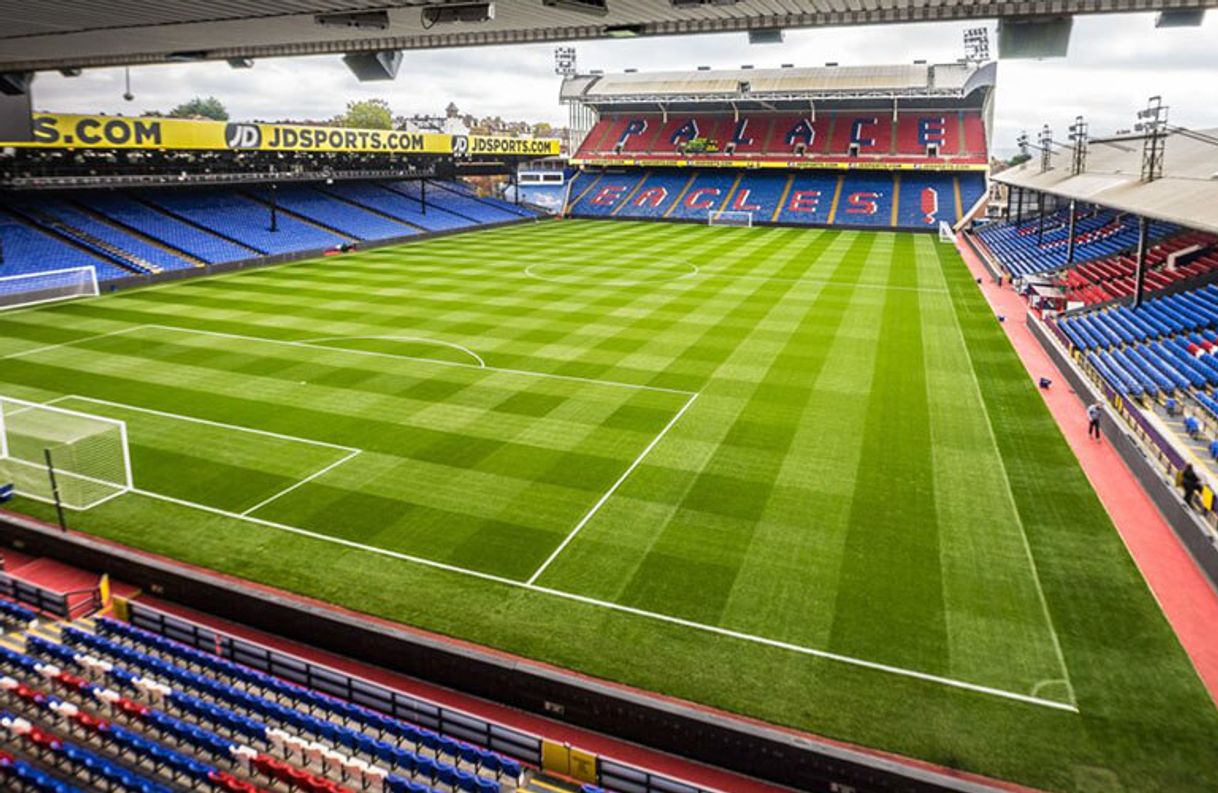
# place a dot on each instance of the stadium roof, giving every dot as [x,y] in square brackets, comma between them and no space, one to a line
[749,86]
[1187,194]
[51,34]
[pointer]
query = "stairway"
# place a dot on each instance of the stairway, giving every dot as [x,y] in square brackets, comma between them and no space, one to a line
[139,235]
[128,261]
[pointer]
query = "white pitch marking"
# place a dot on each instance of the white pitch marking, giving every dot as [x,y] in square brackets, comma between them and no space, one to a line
[49,347]
[613,489]
[1006,479]
[318,342]
[435,361]
[714,629]
[208,422]
[304,481]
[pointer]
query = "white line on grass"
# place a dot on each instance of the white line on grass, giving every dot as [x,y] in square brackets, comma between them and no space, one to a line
[435,361]
[1006,479]
[319,342]
[304,481]
[712,629]
[208,422]
[50,347]
[613,489]
[558,593]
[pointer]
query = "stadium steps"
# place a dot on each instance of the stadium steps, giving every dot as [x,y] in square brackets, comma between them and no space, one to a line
[197,226]
[431,207]
[139,235]
[372,209]
[1197,448]
[86,242]
[302,219]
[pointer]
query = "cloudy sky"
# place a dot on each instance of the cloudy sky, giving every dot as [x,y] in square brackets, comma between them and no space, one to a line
[1115,63]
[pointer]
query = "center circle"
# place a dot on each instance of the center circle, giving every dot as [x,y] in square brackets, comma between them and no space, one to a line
[612,274]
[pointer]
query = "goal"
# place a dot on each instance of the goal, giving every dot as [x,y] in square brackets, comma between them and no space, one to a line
[33,288]
[90,461]
[729,218]
[946,233]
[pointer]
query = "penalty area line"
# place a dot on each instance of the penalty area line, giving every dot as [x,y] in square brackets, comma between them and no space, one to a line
[570,596]
[612,489]
[305,481]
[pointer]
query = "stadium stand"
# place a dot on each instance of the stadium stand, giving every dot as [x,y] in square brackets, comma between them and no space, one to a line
[124,234]
[865,198]
[871,137]
[102,703]
[28,249]
[886,147]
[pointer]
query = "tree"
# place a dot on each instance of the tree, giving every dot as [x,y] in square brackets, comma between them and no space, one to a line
[367,114]
[1019,159]
[207,108]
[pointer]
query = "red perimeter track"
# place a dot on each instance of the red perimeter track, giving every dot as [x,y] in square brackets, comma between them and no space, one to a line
[1184,594]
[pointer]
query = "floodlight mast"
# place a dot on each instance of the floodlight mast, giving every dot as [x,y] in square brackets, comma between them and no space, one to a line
[1152,122]
[1079,140]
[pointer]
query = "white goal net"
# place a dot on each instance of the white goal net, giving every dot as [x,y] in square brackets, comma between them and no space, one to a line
[729,218]
[33,288]
[90,462]
[946,233]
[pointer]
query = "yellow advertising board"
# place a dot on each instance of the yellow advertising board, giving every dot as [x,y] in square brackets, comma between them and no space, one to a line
[67,131]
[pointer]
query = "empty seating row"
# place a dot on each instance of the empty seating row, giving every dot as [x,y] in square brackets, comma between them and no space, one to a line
[1169,261]
[1024,249]
[877,199]
[303,764]
[30,250]
[339,215]
[122,234]
[913,135]
[1157,318]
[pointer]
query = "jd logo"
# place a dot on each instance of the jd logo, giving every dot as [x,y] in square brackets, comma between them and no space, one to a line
[242,136]
[460,146]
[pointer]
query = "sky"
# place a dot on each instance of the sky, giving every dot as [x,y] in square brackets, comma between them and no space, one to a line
[1115,63]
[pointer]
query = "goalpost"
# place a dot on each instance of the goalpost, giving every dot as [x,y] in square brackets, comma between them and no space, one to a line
[31,289]
[946,232]
[729,218]
[88,455]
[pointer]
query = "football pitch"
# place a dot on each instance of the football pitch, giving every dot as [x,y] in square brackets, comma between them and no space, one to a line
[798,474]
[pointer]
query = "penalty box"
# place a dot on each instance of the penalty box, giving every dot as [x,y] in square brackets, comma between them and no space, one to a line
[569,421]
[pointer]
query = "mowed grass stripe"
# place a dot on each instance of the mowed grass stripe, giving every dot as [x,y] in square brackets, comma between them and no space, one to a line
[687,507]
[893,527]
[982,549]
[745,340]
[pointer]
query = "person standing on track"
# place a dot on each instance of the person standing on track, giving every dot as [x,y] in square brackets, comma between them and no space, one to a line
[1093,420]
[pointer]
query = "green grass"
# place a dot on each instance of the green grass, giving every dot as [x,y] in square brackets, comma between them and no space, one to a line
[844,508]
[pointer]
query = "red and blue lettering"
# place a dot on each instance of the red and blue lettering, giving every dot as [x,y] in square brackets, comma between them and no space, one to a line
[634,127]
[932,131]
[687,131]
[803,132]
[857,131]
[702,198]
[865,202]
